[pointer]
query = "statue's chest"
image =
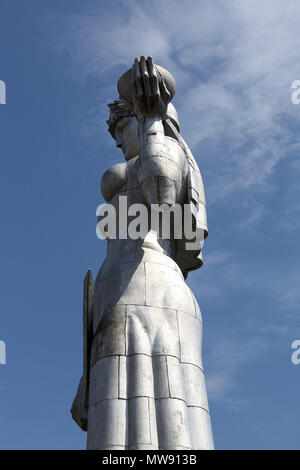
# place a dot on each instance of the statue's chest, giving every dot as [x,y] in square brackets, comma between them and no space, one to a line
[121,179]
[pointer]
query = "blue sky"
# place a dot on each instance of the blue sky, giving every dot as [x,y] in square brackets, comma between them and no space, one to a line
[234,63]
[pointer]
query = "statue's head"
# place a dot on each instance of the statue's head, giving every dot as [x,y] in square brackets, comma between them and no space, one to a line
[123,126]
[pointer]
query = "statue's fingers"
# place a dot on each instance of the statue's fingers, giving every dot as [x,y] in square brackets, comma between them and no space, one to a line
[164,91]
[154,85]
[143,64]
[151,67]
[145,76]
[145,81]
[153,77]
[138,78]
[150,64]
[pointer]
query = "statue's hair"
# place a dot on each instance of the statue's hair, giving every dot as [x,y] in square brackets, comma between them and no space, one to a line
[118,109]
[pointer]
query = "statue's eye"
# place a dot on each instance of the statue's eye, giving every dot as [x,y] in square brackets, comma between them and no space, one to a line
[122,124]
[118,131]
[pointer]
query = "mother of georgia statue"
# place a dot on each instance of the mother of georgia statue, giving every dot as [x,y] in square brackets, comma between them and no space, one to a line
[143,384]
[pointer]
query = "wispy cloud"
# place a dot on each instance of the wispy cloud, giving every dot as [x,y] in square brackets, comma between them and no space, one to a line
[252,218]
[225,274]
[289,210]
[226,357]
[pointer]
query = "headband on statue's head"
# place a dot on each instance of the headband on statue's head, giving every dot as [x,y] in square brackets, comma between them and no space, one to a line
[118,109]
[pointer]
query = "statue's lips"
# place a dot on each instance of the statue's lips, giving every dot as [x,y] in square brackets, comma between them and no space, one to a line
[125,86]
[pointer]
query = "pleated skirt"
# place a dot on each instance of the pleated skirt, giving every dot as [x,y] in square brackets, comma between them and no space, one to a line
[147,386]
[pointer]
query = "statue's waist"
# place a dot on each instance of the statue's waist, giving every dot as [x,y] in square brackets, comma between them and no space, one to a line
[120,252]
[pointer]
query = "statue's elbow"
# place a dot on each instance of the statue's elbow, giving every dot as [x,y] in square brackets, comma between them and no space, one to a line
[160,191]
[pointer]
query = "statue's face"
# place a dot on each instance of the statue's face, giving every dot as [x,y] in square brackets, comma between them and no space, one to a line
[126,133]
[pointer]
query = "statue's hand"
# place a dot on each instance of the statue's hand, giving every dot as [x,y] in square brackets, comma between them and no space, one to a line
[150,95]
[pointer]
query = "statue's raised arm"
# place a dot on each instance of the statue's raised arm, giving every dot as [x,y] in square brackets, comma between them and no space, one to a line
[160,173]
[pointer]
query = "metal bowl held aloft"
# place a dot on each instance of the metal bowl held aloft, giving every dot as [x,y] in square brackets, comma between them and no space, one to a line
[125,87]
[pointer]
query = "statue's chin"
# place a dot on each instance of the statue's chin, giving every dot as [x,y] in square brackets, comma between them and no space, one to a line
[129,155]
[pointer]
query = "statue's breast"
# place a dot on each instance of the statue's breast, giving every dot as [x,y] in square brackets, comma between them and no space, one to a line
[113,180]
